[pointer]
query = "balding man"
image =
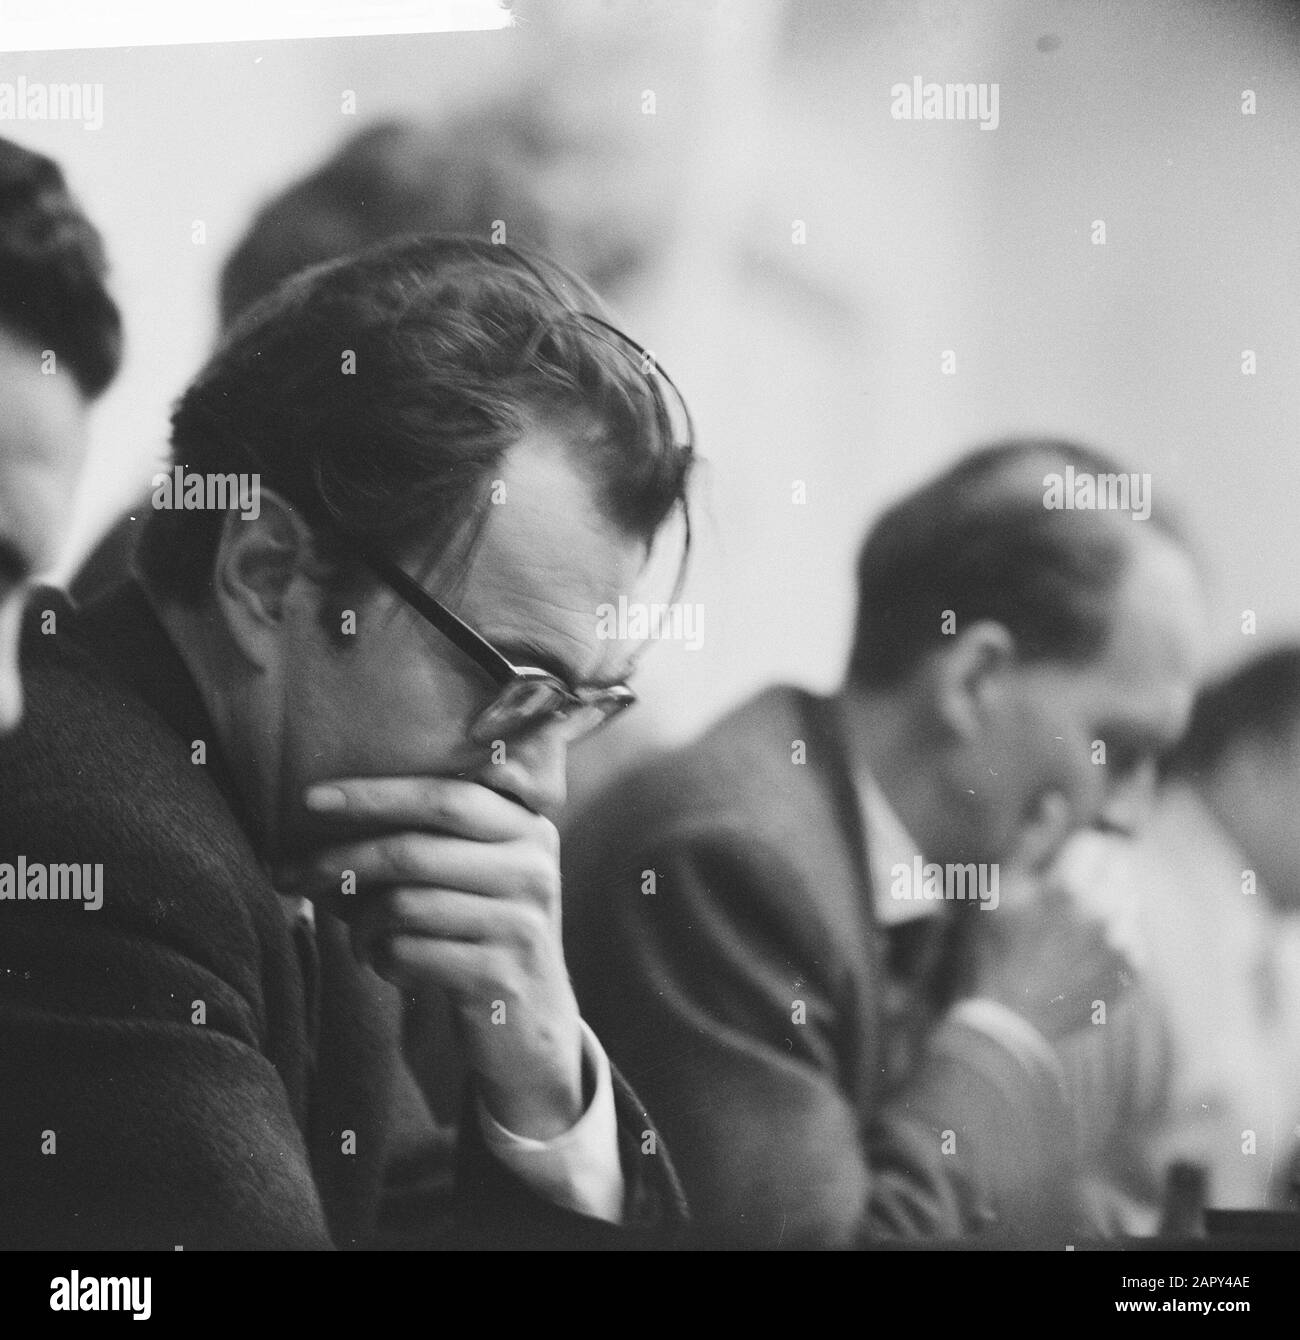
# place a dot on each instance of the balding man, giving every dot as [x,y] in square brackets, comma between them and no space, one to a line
[805,936]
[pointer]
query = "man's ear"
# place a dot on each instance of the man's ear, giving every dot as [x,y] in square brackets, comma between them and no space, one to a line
[968,671]
[256,562]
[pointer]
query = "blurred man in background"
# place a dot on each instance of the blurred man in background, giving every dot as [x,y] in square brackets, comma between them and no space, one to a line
[1208,899]
[506,171]
[808,936]
[60,344]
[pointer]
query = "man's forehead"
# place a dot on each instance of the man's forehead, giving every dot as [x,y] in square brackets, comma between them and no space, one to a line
[551,609]
[544,560]
[1159,579]
[1155,653]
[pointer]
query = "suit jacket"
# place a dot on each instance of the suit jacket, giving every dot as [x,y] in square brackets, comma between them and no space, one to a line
[175,1068]
[722,939]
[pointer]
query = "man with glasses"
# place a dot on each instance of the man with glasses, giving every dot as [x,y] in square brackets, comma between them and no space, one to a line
[317,752]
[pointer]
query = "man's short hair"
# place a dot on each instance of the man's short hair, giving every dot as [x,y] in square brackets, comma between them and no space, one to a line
[1257,703]
[52,269]
[379,393]
[979,542]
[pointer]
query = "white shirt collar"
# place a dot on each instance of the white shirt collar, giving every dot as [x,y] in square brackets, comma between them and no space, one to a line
[297,909]
[889,845]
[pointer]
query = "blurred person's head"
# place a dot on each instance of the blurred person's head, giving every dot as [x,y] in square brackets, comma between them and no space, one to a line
[459,410]
[60,343]
[1242,752]
[1035,660]
[508,171]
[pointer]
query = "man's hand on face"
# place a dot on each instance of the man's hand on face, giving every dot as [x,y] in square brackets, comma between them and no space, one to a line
[1039,952]
[461,893]
[1048,961]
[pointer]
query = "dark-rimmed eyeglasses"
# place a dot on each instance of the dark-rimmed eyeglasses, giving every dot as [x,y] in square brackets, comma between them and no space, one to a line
[526,696]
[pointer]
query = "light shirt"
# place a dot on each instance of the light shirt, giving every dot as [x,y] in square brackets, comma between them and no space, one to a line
[579,1169]
[890,845]
[1224,967]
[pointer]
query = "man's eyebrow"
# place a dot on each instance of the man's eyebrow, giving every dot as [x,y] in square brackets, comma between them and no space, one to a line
[13,566]
[521,651]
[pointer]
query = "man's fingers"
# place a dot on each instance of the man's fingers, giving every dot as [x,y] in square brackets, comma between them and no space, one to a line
[416,962]
[452,914]
[1042,836]
[446,914]
[442,804]
[513,870]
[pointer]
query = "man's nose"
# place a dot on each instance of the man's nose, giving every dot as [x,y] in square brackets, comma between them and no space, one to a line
[532,767]
[1128,804]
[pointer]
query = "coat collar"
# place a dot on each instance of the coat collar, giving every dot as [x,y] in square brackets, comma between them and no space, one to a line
[123,632]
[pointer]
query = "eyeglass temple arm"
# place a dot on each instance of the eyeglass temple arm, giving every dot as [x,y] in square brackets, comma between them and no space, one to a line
[437,613]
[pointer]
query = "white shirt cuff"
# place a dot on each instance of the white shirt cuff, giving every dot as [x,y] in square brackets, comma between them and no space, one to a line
[579,1169]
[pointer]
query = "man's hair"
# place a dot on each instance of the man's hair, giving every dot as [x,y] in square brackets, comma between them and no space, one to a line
[379,393]
[978,542]
[52,270]
[477,170]
[1258,703]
